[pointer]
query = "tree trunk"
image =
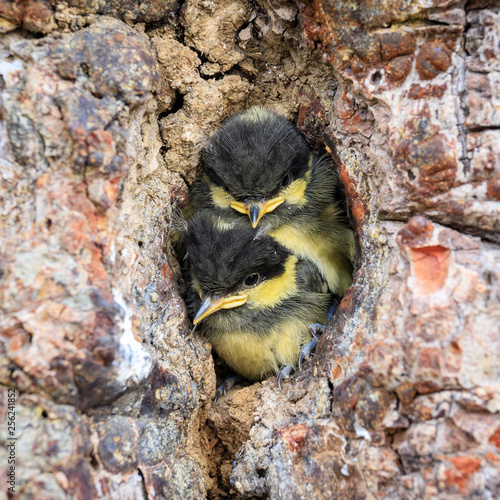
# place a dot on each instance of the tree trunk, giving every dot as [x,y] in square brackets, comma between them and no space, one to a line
[106,107]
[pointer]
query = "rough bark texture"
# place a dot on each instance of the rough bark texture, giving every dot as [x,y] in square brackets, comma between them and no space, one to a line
[105,109]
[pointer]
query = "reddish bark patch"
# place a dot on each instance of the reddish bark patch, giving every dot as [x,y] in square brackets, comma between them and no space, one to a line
[335,372]
[493,188]
[417,231]
[77,236]
[432,59]
[349,299]
[398,68]
[14,11]
[463,468]
[37,16]
[96,269]
[427,155]
[359,209]
[312,28]
[492,458]
[166,272]
[430,358]
[406,392]
[344,106]
[429,268]
[427,387]
[495,438]
[418,92]
[394,44]
[295,437]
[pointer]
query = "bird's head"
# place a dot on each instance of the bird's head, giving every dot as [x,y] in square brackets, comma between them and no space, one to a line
[258,162]
[233,267]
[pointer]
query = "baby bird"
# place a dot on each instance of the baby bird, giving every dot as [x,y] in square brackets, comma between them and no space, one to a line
[254,297]
[260,172]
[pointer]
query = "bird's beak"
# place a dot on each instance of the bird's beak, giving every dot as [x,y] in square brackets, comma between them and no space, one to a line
[257,209]
[214,304]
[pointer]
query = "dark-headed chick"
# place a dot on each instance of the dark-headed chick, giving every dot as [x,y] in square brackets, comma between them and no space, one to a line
[254,298]
[261,173]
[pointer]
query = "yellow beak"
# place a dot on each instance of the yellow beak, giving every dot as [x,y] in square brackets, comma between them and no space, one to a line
[257,209]
[211,305]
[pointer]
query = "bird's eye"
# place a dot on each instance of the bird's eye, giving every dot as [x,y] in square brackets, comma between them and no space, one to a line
[252,280]
[286,180]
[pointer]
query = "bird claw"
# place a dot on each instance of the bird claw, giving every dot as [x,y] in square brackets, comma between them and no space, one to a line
[305,352]
[284,372]
[221,391]
[316,330]
[225,386]
[334,305]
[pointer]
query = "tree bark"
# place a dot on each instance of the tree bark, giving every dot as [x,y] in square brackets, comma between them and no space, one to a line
[106,107]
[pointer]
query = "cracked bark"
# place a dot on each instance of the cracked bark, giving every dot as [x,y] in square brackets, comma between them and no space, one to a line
[105,110]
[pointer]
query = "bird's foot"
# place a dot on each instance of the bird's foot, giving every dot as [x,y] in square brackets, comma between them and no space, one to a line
[225,386]
[316,330]
[334,305]
[305,352]
[284,372]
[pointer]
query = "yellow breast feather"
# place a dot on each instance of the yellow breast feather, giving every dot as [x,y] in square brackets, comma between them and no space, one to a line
[254,356]
[326,249]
